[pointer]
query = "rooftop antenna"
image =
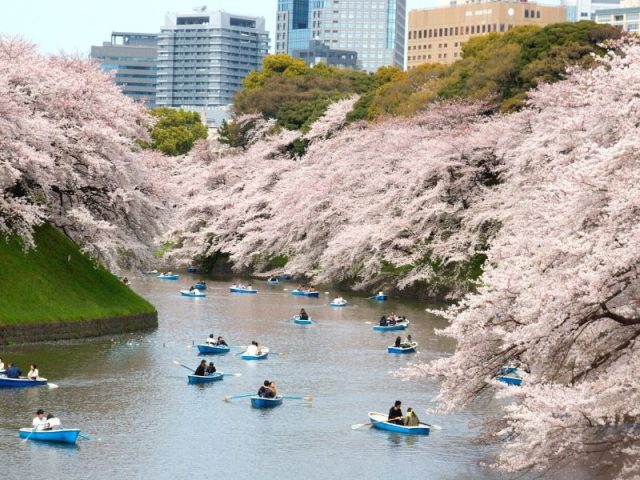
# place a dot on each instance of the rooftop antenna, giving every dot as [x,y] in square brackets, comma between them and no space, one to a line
[200,9]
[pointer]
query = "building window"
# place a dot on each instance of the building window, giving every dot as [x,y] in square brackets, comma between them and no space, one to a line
[502,27]
[538,14]
[466,30]
[618,18]
[526,13]
[456,30]
[473,29]
[430,33]
[419,33]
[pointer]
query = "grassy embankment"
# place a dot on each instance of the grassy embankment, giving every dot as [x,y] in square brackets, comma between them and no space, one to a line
[56,282]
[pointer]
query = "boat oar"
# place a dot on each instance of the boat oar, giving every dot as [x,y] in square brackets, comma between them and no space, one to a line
[182,365]
[360,425]
[82,435]
[52,385]
[435,427]
[231,374]
[228,398]
[28,436]
[308,398]
[282,354]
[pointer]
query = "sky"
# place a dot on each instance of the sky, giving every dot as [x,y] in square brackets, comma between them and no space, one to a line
[73,26]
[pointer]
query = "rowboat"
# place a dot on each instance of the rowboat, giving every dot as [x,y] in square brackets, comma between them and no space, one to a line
[408,349]
[212,349]
[151,272]
[263,402]
[338,302]
[200,286]
[508,369]
[194,293]
[3,371]
[511,379]
[262,356]
[300,321]
[6,382]
[379,421]
[305,293]
[192,269]
[234,289]
[380,297]
[398,326]
[63,435]
[273,281]
[214,377]
[168,277]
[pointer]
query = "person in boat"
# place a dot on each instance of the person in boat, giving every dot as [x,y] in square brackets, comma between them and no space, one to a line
[125,280]
[303,314]
[273,390]
[384,321]
[312,290]
[211,369]
[408,342]
[398,342]
[381,294]
[253,349]
[200,371]
[411,419]
[33,372]
[1,364]
[221,342]
[395,414]
[52,423]
[39,421]
[201,282]
[192,289]
[13,371]
[211,340]
[264,389]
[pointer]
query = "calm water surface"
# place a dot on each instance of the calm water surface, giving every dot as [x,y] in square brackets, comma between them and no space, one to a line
[145,421]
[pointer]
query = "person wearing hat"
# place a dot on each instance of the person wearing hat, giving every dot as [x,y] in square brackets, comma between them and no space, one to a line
[200,371]
[39,420]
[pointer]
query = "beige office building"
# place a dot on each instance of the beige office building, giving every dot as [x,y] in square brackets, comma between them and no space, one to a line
[436,35]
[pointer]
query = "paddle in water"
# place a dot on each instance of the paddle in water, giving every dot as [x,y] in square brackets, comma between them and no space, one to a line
[308,398]
[228,398]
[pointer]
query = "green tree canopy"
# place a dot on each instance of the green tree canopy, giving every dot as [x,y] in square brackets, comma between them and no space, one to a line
[175,131]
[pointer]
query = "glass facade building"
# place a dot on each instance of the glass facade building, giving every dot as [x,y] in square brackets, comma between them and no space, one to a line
[131,58]
[375,29]
[203,58]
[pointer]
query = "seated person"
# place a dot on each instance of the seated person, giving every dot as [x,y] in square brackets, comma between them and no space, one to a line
[398,342]
[192,289]
[33,372]
[383,321]
[200,371]
[273,391]
[262,391]
[39,421]
[303,314]
[211,340]
[411,420]
[53,423]
[221,342]
[13,371]
[252,349]
[395,414]
[408,342]
[211,369]
[1,364]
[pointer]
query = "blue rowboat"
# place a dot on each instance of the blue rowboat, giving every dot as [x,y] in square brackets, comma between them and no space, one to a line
[192,270]
[305,293]
[200,286]
[379,421]
[274,281]
[214,377]
[212,349]
[508,369]
[398,326]
[242,290]
[3,372]
[379,297]
[63,435]
[262,402]
[21,382]
[299,321]
[168,277]
[261,356]
[408,349]
[195,294]
[511,379]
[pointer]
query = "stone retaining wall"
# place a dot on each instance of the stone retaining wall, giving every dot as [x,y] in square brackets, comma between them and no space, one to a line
[52,331]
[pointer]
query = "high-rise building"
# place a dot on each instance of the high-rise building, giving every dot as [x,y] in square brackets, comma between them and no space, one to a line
[203,58]
[436,35]
[626,18]
[131,58]
[317,52]
[375,29]
[584,9]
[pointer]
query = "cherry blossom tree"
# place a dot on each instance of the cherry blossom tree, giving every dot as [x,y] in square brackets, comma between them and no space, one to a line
[68,156]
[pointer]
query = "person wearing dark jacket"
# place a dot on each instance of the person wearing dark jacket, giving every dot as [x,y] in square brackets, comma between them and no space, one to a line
[264,390]
[211,369]
[200,371]
[395,414]
[303,314]
[13,371]
[398,342]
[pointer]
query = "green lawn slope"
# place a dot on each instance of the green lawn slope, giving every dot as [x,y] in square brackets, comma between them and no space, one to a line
[56,282]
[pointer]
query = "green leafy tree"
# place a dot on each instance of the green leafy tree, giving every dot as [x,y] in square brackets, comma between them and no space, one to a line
[175,131]
[235,134]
